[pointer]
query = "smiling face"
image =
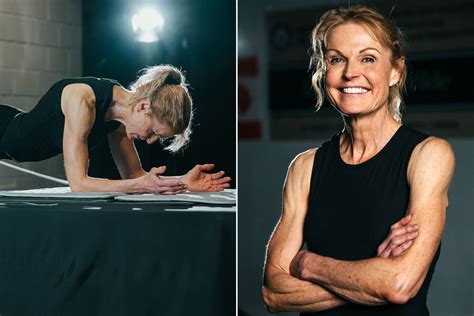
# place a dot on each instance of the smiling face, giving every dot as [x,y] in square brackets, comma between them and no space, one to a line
[143,125]
[359,70]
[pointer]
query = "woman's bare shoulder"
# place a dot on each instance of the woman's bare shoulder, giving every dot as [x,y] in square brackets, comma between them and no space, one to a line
[78,92]
[304,159]
[302,164]
[432,147]
[433,155]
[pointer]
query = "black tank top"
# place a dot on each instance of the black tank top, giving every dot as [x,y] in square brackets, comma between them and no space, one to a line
[38,134]
[351,209]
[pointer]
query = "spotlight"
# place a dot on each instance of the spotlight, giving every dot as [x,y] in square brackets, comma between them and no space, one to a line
[146,25]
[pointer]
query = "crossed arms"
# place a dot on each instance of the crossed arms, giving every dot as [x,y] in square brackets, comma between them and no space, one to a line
[296,280]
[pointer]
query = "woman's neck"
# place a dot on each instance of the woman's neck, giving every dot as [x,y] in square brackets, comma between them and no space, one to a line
[120,108]
[365,136]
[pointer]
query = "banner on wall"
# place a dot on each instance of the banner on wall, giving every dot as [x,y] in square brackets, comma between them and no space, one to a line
[250,127]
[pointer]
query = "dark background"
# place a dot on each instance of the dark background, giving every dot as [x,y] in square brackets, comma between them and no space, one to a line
[199,38]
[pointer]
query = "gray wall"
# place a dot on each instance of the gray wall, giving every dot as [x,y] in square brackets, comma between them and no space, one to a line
[262,169]
[40,43]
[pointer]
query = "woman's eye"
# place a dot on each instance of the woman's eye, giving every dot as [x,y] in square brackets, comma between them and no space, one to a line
[368,59]
[336,60]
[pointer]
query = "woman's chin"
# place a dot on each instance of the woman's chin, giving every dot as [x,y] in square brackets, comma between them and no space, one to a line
[351,110]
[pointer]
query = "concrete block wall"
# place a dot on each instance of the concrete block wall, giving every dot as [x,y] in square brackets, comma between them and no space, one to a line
[40,43]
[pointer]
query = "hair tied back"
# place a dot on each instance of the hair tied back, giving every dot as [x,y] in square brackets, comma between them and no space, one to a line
[173,78]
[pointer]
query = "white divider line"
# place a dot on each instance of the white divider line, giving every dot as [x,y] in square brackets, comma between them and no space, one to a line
[37,174]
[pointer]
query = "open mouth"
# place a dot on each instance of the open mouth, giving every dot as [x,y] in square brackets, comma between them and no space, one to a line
[354,90]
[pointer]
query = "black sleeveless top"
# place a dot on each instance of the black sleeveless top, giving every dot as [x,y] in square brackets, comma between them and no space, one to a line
[351,209]
[38,134]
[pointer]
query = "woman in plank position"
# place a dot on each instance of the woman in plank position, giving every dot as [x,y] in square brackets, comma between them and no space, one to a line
[375,177]
[76,114]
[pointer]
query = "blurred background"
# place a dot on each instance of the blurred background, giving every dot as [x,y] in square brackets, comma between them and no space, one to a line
[277,121]
[43,41]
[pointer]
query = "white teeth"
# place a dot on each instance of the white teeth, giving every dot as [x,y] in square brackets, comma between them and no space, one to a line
[354,90]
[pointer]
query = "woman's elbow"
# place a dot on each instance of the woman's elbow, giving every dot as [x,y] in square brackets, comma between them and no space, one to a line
[397,297]
[401,290]
[77,186]
[271,304]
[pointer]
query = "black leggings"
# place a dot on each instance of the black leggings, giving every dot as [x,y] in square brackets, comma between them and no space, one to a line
[7,113]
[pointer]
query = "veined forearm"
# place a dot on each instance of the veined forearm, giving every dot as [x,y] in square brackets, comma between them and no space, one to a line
[363,282]
[89,184]
[285,293]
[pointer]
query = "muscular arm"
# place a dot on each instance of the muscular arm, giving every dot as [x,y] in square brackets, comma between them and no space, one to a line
[125,154]
[78,106]
[380,280]
[281,291]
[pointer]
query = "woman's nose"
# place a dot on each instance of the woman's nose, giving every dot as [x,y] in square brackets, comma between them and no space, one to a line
[351,71]
[150,140]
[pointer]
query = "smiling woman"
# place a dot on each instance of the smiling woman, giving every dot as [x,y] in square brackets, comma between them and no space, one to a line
[76,114]
[370,203]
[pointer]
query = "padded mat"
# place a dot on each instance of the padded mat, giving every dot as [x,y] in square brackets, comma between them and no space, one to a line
[60,193]
[227,197]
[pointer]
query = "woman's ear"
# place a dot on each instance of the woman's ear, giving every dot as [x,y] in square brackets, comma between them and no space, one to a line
[144,106]
[397,71]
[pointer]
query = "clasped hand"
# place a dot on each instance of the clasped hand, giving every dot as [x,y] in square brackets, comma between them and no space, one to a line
[196,180]
[153,182]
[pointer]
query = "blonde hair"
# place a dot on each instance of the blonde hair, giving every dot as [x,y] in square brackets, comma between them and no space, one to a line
[381,27]
[171,102]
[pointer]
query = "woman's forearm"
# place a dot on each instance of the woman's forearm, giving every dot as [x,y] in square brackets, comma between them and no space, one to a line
[285,293]
[89,184]
[368,282]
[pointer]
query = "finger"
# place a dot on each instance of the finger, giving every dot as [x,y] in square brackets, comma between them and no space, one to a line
[397,241]
[401,249]
[217,175]
[403,230]
[221,181]
[385,253]
[170,182]
[169,192]
[206,167]
[215,190]
[220,187]
[402,222]
[173,192]
[383,246]
[158,170]
[406,219]
[166,193]
[162,188]
[394,233]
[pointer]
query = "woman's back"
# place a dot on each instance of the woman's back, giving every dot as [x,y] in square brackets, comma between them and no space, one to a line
[38,134]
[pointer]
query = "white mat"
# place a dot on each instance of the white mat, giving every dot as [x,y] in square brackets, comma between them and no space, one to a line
[226,197]
[205,208]
[59,193]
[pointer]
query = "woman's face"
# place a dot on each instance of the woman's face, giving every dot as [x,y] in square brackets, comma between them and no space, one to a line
[144,126]
[359,70]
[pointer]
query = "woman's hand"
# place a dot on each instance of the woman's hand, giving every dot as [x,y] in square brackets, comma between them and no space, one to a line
[153,183]
[399,239]
[197,180]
